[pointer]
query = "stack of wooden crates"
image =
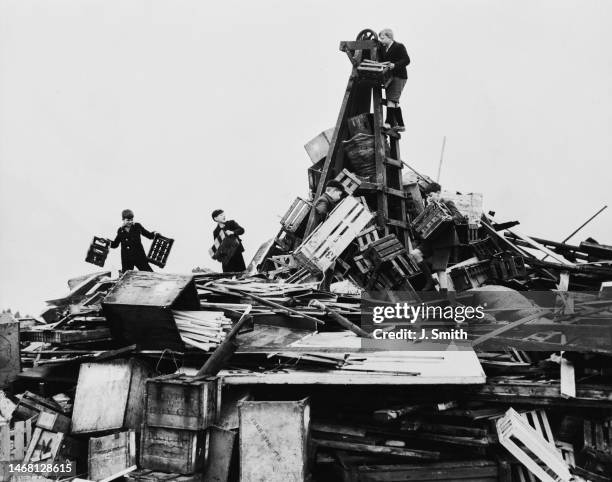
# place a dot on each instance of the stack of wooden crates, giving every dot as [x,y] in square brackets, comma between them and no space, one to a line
[176,431]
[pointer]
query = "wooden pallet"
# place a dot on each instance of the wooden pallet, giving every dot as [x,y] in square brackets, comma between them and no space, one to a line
[327,242]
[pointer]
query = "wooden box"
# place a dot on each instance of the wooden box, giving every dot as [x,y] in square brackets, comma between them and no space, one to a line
[274,441]
[317,148]
[295,216]
[431,220]
[174,401]
[327,242]
[160,250]
[172,450]
[111,454]
[110,396]
[138,308]
[98,251]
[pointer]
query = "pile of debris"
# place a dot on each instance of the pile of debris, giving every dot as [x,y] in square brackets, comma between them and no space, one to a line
[269,375]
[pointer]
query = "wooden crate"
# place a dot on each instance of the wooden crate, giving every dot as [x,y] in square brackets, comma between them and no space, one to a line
[349,180]
[174,401]
[147,475]
[172,450]
[470,276]
[273,440]
[318,146]
[98,251]
[384,249]
[367,237]
[327,242]
[111,454]
[433,218]
[295,215]
[160,250]
[121,385]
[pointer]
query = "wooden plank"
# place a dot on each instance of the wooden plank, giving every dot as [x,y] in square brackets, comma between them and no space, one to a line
[377,449]
[540,247]
[334,146]
[220,455]
[121,384]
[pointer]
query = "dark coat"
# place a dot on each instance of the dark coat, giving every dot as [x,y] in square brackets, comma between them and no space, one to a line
[397,55]
[323,206]
[236,262]
[132,251]
[448,237]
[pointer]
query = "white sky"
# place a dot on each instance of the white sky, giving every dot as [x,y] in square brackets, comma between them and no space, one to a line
[175,108]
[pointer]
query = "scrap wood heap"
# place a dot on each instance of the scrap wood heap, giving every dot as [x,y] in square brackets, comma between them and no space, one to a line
[207,370]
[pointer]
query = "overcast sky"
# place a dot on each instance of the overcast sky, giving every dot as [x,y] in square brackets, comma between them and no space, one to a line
[175,108]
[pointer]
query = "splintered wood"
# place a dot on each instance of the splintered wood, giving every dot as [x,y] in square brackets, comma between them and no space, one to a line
[202,329]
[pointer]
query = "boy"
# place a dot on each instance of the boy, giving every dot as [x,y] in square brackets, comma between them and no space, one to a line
[395,54]
[334,191]
[230,228]
[128,235]
[439,248]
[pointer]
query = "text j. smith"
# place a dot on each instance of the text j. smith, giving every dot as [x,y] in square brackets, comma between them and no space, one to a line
[434,334]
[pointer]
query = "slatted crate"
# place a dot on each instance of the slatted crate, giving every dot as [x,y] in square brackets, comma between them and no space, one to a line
[349,180]
[327,242]
[467,233]
[364,265]
[505,267]
[484,248]
[98,251]
[384,249]
[366,237]
[471,276]
[538,455]
[376,72]
[598,438]
[433,218]
[160,250]
[295,215]
[66,337]
[14,439]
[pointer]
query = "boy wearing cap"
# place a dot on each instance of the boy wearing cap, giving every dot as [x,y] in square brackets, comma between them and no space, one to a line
[334,190]
[128,236]
[230,228]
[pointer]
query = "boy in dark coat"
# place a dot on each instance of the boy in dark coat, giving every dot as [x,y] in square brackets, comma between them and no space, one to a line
[334,190]
[128,236]
[396,55]
[230,228]
[437,250]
